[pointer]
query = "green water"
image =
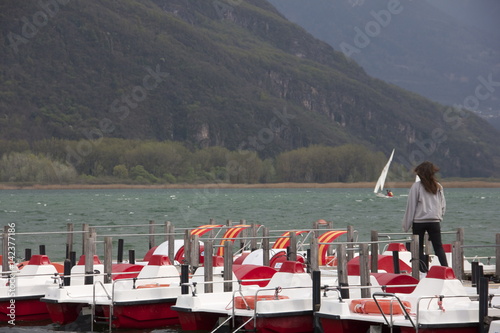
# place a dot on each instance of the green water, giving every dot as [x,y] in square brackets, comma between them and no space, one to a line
[34,211]
[40,211]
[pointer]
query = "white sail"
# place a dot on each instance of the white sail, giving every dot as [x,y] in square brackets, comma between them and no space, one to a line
[381,180]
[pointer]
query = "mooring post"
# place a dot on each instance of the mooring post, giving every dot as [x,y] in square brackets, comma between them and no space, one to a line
[316,296]
[497,256]
[85,235]
[211,233]
[350,238]
[483,302]
[171,242]
[314,254]
[265,246]
[342,270]
[184,279]
[108,258]
[228,266]
[72,258]
[167,229]
[89,261]
[42,250]
[243,235]
[67,272]
[253,240]
[69,239]
[364,270]
[151,234]
[5,250]
[195,252]
[119,256]
[415,258]
[460,239]
[27,254]
[131,256]
[374,251]
[187,246]
[208,266]
[293,246]
[457,260]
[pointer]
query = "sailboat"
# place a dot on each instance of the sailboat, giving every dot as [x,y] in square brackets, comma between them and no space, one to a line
[379,187]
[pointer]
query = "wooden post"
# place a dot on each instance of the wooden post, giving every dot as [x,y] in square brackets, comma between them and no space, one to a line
[497,255]
[229,223]
[374,251]
[167,229]
[195,252]
[253,234]
[293,246]
[209,266]
[457,260]
[171,242]
[108,258]
[314,254]
[187,246]
[5,249]
[243,237]
[228,266]
[89,260]
[342,270]
[69,240]
[315,229]
[415,258]
[42,249]
[211,233]
[329,250]
[85,229]
[350,238]
[364,270]
[265,246]
[93,234]
[151,234]
[460,239]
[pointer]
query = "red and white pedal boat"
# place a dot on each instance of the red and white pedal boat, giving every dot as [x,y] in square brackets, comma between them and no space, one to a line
[282,305]
[439,304]
[20,295]
[142,302]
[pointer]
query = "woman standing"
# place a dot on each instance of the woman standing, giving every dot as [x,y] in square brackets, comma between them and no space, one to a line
[424,211]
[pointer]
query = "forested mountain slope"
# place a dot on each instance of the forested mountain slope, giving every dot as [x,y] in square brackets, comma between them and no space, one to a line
[235,74]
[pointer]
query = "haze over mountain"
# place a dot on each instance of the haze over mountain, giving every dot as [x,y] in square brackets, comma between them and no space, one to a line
[443,49]
[235,74]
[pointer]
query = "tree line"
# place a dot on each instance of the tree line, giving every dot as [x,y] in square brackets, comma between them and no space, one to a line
[111,160]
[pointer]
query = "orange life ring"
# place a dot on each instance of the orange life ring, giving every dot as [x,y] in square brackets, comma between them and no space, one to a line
[368,305]
[248,302]
[152,285]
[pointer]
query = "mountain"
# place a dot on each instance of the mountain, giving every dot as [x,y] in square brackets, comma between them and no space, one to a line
[235,74]
[442,49]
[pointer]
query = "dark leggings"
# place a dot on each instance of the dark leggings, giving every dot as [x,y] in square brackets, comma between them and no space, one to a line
[434,231]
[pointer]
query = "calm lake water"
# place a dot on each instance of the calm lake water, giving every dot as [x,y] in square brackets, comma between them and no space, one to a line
[40,215]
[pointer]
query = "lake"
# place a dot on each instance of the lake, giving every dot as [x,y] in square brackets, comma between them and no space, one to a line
[39,216]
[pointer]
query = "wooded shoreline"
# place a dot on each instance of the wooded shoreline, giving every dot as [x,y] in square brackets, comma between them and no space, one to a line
[446,184]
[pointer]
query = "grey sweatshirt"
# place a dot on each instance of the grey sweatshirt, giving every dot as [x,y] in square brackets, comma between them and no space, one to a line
[423,206]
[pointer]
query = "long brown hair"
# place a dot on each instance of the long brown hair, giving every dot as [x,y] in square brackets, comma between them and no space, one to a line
[426,172]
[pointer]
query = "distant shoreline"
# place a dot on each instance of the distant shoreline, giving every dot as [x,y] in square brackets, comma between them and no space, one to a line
[446,184]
